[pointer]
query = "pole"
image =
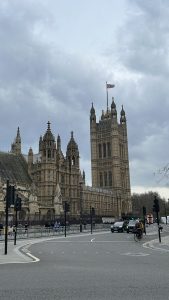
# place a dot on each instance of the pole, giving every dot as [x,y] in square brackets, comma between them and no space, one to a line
[144,225]
[165,212]
[6,217]
[16,223]
[65,217]
[80,206]
[144,218]
[91,220]
[159,234]
[107,97]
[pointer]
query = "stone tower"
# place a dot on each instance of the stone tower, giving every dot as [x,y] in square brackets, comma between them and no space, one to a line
[109,155]
[47,173]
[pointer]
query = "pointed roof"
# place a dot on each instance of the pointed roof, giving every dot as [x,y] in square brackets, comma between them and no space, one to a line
[14,167]
[48,136]
[72,143]
[92,111]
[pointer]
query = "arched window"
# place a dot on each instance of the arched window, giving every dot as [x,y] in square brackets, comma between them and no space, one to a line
[73,161]
[108,150]
[104,150]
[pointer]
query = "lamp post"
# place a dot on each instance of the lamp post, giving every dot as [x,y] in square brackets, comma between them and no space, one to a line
[81,204]
[165,212]
[118,197]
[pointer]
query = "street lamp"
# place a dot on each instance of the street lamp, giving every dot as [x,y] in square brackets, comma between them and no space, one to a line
[81,203]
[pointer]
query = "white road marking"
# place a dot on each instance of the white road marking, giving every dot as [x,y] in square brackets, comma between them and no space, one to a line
[135,254]
[149,245]
[35,259]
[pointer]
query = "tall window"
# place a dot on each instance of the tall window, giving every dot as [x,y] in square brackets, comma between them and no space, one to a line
[101,179]
[73,161]
[105,178]
[100,150]
[62,179]
[108,150]
[49,153]
[104,150]
[110,178]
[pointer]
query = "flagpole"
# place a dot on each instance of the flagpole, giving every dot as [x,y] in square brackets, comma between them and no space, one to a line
[107,96]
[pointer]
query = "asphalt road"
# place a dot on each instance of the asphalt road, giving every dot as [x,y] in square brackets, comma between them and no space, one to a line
[99,266]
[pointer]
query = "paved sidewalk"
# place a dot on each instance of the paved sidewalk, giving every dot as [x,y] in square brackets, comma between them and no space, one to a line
[156,245]
[14,255]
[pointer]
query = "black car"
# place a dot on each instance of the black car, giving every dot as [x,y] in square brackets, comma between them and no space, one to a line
[118,226]
[131,226]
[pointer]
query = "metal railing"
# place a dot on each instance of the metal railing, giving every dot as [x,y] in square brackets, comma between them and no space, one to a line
[41,231]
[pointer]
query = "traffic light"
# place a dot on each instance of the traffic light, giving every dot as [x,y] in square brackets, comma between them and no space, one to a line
[18,204]
[11,195]
[67,207]
[93,211]
[144,210]
[156,207]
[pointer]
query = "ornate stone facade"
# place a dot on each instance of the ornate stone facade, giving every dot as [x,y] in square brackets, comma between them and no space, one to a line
[109,155]
[46,180]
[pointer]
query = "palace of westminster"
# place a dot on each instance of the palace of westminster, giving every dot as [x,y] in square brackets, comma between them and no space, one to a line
[44,181]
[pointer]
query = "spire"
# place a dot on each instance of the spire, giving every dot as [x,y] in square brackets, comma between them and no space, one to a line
[40,144]
[18,133]
[16,145]
[48,123]
[48,136]
[92,111]
[84,176]
[72,153]
[113,108]
[123,116]
[92,114]
[58,142]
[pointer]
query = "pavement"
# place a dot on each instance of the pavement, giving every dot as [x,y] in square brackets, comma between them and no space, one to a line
[20,253]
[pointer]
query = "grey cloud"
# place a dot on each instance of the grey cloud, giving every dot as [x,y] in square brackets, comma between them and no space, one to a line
[40,82]
[144,40]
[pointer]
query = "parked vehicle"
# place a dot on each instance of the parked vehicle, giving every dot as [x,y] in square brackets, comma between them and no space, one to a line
[118,226]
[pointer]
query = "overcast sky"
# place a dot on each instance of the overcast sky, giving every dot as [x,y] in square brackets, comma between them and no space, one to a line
[55,58]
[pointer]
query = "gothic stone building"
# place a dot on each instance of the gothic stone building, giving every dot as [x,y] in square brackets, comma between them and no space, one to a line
[46,180]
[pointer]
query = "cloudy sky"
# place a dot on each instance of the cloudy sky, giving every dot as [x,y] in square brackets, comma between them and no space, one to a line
[55,58]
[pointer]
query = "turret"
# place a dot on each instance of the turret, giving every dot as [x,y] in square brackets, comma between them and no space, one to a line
[30,159]
[48,146]
[113,109]
[58,142]
[92,114]
[72,153]
[16,145]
